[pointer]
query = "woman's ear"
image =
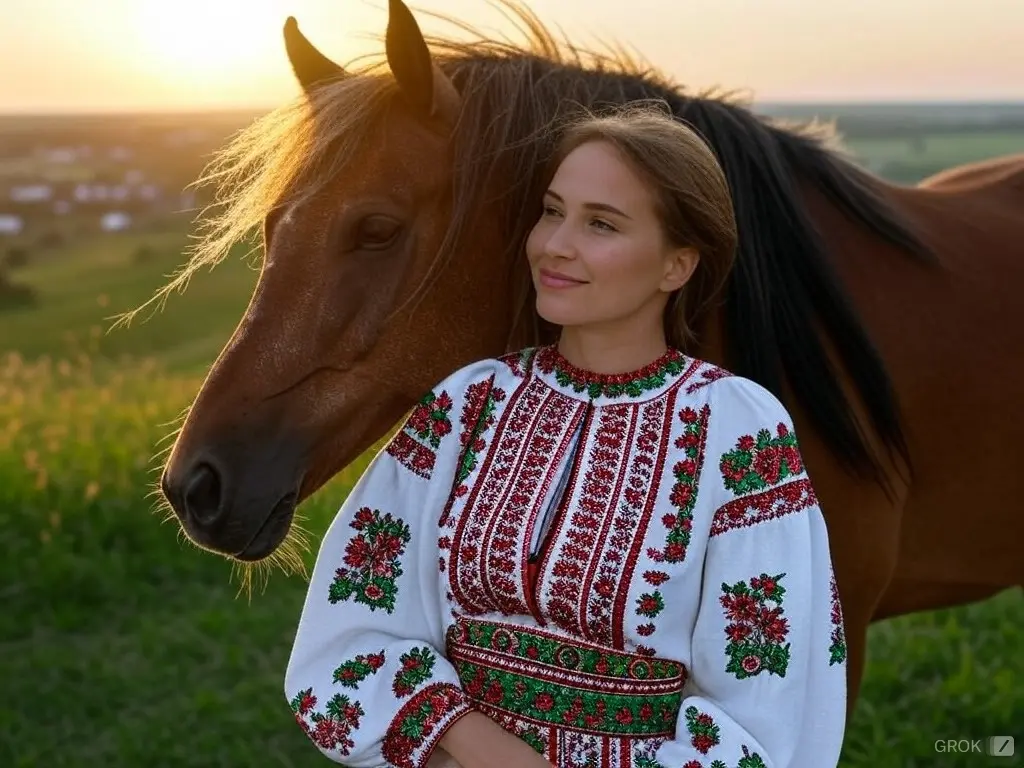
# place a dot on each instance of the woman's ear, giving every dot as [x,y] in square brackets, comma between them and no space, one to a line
[679,267]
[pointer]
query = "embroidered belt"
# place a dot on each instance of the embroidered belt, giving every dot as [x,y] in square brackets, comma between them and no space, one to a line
[543,678]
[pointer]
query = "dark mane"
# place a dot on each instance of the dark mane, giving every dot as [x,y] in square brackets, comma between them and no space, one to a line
[782,293]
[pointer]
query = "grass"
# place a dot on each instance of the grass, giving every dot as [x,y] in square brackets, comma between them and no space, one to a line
[123,645]
[910,159]
[81,289]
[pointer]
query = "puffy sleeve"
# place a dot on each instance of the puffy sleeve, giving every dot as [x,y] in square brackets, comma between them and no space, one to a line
[367,680]
[768,677]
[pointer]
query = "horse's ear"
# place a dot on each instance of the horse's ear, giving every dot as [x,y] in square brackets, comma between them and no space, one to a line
[422,82]
[310,66]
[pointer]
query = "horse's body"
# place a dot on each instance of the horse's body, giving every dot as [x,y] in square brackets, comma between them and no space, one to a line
[325,361]
[953,339]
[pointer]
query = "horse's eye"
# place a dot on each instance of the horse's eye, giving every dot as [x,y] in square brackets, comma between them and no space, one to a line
[377,232]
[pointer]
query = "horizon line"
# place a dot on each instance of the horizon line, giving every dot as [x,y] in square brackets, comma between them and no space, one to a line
[248,109]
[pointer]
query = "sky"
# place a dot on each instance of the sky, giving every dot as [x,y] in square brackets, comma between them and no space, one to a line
[169,55]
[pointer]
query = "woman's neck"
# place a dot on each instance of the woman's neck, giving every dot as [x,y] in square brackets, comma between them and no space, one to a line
[610,353]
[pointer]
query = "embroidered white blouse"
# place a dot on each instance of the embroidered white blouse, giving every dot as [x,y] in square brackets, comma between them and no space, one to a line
[626,570]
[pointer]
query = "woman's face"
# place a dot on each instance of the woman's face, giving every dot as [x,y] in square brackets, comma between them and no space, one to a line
[598,255]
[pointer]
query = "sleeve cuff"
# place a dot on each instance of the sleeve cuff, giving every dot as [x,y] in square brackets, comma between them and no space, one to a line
[421,722]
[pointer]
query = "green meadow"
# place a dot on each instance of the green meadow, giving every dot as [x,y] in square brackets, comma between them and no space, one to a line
[123,645]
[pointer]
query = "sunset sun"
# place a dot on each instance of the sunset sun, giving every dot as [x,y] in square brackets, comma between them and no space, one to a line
[219,39]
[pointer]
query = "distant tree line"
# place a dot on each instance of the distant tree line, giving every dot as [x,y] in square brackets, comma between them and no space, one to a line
[855,127]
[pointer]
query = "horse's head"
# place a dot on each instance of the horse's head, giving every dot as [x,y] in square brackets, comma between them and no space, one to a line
[320,365]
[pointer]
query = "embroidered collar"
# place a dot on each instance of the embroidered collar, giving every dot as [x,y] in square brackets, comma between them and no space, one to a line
[612,386]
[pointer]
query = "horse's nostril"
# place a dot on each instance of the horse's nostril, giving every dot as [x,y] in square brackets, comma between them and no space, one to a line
[167,488]
[203,495]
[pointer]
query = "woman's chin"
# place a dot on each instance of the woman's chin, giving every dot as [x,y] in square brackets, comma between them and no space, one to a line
[557,313]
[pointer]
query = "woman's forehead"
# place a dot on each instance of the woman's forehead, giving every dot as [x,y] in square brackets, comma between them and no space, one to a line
[596,172]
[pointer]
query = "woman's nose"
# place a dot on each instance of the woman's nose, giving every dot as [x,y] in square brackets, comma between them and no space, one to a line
[560,244]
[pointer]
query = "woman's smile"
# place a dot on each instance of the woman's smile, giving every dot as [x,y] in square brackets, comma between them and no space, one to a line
[551,279]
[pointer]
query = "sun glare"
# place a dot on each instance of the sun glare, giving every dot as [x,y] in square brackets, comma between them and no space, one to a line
[209,39]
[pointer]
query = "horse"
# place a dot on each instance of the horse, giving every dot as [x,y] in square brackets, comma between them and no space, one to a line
[393,199]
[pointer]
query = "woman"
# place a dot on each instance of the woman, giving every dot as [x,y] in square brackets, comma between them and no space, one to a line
[602,552]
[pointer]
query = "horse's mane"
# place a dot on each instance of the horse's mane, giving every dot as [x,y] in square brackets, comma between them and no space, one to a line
[782,292]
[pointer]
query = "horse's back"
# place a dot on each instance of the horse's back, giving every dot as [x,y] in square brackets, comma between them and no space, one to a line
[999,177]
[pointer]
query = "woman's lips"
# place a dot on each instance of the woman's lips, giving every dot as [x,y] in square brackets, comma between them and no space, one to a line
[551,280]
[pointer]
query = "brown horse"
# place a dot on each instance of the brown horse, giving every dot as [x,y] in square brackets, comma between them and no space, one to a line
[395,200]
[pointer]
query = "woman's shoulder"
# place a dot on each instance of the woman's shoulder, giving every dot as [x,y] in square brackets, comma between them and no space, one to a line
[515,363]
[726,389]
[511,364]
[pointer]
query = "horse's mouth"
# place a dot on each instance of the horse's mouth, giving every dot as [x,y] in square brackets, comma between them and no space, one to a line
[271,533]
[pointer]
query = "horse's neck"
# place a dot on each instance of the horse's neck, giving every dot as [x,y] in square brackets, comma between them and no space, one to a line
[710,343]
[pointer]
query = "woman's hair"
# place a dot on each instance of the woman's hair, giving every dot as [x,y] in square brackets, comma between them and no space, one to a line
[692,196]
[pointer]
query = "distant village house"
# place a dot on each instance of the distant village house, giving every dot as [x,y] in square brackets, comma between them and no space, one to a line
[10,224]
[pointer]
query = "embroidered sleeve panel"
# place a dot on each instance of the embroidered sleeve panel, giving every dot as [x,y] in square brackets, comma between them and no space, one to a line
[416,444]
[367,679]
[755,458]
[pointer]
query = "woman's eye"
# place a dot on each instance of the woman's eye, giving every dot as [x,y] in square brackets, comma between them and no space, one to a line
[603,225]
[377,231]
[550,210]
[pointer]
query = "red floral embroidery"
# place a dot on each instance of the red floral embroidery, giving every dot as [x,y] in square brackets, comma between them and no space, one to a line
[414,456]
[749,760]
[415,445]
[421,722]
[631,384]
[632,517]
[768,505]
[331,728]
[704,734]
[650,604]
[756,631]
[759,463]
[655,578]
[519,362]
[684,492]
[417,667]
[489,542]
[564,683]
[837,651]
[353,672]
[572,564]
[429,420]
[709,373]
[478,416]
[373,561]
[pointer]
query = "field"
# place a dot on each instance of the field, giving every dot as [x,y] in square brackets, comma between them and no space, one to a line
[123,645]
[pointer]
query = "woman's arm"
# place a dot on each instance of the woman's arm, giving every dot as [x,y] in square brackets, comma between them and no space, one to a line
[767,686]
[367,679]
[476,741]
